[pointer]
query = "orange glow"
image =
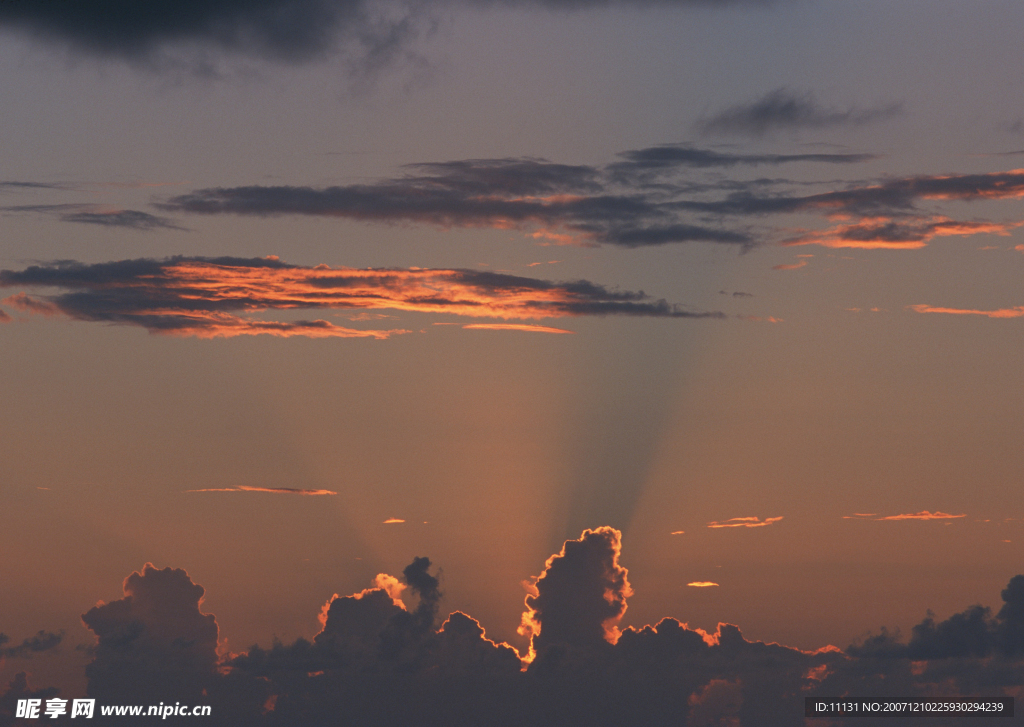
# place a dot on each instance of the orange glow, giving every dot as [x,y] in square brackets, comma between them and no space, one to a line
[923,515]
[275,490]
[744,522]
[792,266]
[28,304]
[1015,312]
[393,520]
[516,327]
[678,532]
[702,584]
[884,233]
[199,297]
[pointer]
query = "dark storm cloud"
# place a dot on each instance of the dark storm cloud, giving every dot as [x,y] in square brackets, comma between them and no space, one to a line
[203,297]
[94,215]
[42,641]
[786,109]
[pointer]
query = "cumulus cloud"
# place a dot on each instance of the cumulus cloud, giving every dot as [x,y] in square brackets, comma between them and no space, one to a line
[19,689]
[647,198]
[192,296]
[274,490]
[155,644]
[784,108]
[384,657]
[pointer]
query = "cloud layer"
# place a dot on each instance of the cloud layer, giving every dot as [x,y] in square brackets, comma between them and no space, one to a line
[647,198]
[211,297]
[385,657]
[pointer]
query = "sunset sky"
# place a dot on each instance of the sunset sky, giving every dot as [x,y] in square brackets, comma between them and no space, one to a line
[293,294]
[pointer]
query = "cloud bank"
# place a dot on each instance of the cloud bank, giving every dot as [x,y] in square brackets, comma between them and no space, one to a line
[215,297]
[646,198]
[385,657]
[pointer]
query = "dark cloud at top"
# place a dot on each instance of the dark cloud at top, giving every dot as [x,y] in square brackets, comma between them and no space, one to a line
[42,641]
[283,30]
[786,109]
[377,661]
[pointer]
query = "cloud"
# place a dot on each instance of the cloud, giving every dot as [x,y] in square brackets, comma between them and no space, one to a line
[923,515]
[702,584]
[744,522]
[580,597]
[790,266]
[153,643]
[786,109]
[646,199]
[192,296]
[393,521]
[17,690]
[382,658]
[42,641]
[1016,312]
[515,327]
[275,490]
[4,317]
[96,215]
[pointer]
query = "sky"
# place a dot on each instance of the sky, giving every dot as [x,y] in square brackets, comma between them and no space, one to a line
[700,311]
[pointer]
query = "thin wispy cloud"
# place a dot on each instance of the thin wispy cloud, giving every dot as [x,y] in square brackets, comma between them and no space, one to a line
[702,584]
[91,214]
[393,521]
[744,522]
[271,490]
[784,108]
[515,327]
[923,515]
[216,297]
[1016,312]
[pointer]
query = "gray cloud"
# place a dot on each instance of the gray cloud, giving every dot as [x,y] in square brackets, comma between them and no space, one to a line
[786,109]
[97,215]
[291,31]
[42,641]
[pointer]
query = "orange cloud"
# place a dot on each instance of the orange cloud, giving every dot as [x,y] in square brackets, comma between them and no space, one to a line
[393,520]
[208,297]
[792,266]
[275,490]
[678,532]
[923,515]
[516,327]
[702,584]
[1016,312]
[744,522]
[893,233]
